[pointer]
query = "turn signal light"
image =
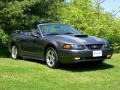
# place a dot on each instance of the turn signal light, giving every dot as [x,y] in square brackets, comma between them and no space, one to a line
[66,46]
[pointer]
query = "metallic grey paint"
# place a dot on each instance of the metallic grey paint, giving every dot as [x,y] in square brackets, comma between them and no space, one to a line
[34,46]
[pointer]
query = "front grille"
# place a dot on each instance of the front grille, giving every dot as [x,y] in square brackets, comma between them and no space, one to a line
[94,46]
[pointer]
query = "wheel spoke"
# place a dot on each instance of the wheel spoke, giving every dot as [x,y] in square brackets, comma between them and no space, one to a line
[50,57]
[14,52]
[53,58]
[52,53]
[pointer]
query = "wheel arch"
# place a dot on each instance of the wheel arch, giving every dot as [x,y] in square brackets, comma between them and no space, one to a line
[11,44]
[47,46]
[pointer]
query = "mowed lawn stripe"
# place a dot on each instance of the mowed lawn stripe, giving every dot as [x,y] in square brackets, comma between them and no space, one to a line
[29,75]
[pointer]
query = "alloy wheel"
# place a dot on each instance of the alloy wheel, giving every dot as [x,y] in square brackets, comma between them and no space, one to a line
[51,58]
[14,52]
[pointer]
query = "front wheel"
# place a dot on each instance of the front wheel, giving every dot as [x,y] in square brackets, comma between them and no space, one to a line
[52,58]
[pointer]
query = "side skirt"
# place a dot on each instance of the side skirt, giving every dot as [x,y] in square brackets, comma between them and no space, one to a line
[28,57]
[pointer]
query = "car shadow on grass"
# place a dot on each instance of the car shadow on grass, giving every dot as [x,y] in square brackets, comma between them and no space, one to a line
[35,61]
[85,66]
[79,67]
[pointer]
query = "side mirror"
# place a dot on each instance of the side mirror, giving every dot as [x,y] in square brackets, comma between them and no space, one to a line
[33,34]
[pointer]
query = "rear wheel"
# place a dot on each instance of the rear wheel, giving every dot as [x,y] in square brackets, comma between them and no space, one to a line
[52,58]
[14,52]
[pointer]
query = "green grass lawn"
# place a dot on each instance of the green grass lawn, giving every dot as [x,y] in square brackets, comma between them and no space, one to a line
[27,75]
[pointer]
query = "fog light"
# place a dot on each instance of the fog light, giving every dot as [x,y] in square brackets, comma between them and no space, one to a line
[108,56]
[77,58]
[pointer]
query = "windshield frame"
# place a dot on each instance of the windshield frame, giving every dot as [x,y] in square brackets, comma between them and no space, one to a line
[47,24]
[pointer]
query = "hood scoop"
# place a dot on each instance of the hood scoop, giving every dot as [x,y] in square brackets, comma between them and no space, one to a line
[82,35]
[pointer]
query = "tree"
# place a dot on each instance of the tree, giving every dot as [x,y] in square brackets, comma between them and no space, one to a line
[92,20]
[81,14]
[24,14]
[98,6]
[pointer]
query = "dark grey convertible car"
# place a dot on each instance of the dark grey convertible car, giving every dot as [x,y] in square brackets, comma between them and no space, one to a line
[58,43]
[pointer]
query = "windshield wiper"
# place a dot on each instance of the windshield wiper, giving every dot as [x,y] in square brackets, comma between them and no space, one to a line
[68,33]
[82,35]
[52,34]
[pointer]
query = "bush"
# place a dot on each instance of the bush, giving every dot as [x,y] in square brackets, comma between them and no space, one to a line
[84,17]
[3,43]
[25,14]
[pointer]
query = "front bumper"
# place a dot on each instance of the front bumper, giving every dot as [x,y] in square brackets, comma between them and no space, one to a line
[68,56]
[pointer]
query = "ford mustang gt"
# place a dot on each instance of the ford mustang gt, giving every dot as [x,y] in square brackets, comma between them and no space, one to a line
[58,43]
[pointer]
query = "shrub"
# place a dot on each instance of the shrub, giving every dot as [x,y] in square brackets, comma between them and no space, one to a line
[3,43]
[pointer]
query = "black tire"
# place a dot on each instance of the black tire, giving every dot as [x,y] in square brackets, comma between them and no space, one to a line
[14,52]
[51,58]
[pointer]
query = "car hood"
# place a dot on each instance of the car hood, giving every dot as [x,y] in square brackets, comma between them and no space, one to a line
[81,39]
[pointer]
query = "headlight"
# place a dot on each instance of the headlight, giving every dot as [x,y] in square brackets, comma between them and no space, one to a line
[80,47]
[73,46]
[106,45]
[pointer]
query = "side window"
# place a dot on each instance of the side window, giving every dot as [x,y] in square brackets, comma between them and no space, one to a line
[35,31]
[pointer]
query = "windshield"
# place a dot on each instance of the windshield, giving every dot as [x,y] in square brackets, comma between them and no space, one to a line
[57,29]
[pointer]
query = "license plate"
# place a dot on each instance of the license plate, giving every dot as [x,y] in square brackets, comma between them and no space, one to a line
[97,53]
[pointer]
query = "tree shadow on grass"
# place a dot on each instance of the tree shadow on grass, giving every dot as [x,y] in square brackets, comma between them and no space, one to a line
[78,67]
